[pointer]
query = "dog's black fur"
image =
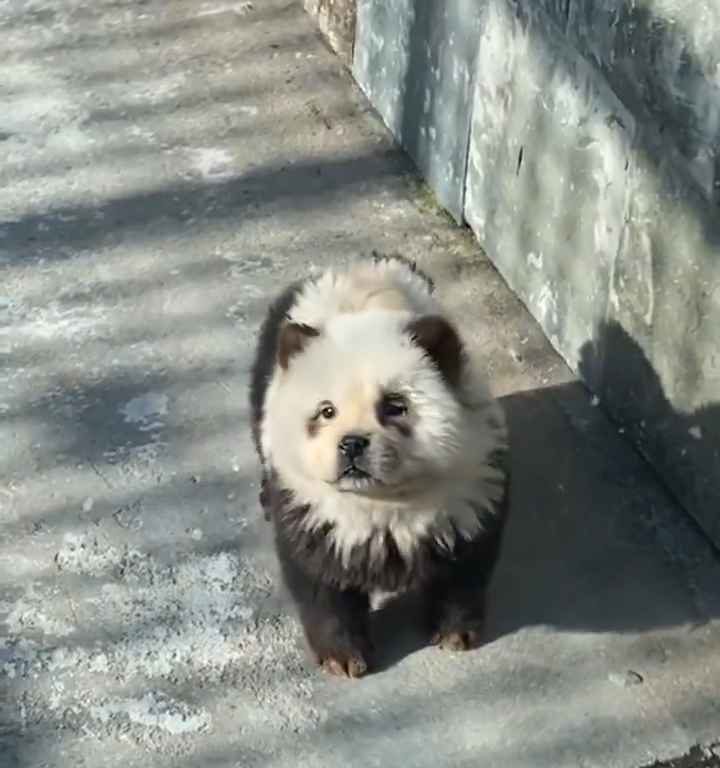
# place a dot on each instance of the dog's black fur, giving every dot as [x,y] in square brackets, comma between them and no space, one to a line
[332,596]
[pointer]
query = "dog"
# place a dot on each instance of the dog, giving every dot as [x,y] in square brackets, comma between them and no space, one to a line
[383,455]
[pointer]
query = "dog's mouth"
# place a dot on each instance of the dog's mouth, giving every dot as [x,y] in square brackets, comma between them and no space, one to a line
[354,478]
[355,473]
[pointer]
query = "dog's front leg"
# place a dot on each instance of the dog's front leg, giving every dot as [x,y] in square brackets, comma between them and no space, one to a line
[335,621]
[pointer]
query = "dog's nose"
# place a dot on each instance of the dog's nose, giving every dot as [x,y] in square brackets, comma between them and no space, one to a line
[353,446]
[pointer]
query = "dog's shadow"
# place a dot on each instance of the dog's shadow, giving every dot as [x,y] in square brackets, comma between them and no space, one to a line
[397,630]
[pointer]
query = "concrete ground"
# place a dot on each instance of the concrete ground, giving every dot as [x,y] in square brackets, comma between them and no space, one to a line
[166,166]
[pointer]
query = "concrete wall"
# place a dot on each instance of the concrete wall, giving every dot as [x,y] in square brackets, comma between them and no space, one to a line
[594,184]
[590,173]
[416,61]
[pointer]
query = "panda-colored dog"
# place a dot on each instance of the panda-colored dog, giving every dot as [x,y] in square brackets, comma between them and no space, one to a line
[383,457]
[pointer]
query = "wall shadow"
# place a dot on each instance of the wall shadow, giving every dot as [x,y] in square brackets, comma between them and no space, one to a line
[684,448]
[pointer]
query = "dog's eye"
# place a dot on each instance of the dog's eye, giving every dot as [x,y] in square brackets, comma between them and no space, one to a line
[394,406]
[326,411]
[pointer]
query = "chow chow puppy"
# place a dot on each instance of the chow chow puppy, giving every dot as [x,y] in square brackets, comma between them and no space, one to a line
[384,457]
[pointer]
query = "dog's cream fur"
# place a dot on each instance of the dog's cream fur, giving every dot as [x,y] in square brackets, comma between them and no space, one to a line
[383,285]
[444,476]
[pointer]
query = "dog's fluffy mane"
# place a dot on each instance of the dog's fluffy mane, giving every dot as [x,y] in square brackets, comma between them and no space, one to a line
[380,296]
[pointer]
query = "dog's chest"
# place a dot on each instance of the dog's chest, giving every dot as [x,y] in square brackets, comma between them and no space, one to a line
[384,533]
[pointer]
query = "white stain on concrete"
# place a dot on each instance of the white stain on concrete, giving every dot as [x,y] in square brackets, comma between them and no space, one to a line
[52,322]
[137,456]
[37,613]
[145,411]
[147,90]
[643,263]
[213,163]
[86,554]
[696,432]
[142,132]
[154,710]
[238,9]
[535,260]
[546,302]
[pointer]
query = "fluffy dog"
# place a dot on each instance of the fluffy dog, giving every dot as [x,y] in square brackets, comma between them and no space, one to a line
[383,457]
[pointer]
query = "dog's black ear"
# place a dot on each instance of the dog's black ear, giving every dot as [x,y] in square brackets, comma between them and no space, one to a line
[441,343]
[293,339]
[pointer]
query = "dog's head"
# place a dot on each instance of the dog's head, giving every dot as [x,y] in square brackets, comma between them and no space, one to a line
[368,404]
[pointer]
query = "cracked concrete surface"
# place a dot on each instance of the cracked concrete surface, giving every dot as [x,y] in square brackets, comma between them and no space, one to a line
[166,166]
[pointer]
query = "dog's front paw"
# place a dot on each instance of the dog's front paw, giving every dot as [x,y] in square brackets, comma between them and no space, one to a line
[465,639]
[343,658]
[343,655]
[344,665]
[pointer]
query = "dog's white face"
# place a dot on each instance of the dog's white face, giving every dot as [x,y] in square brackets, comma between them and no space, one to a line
[366,405]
